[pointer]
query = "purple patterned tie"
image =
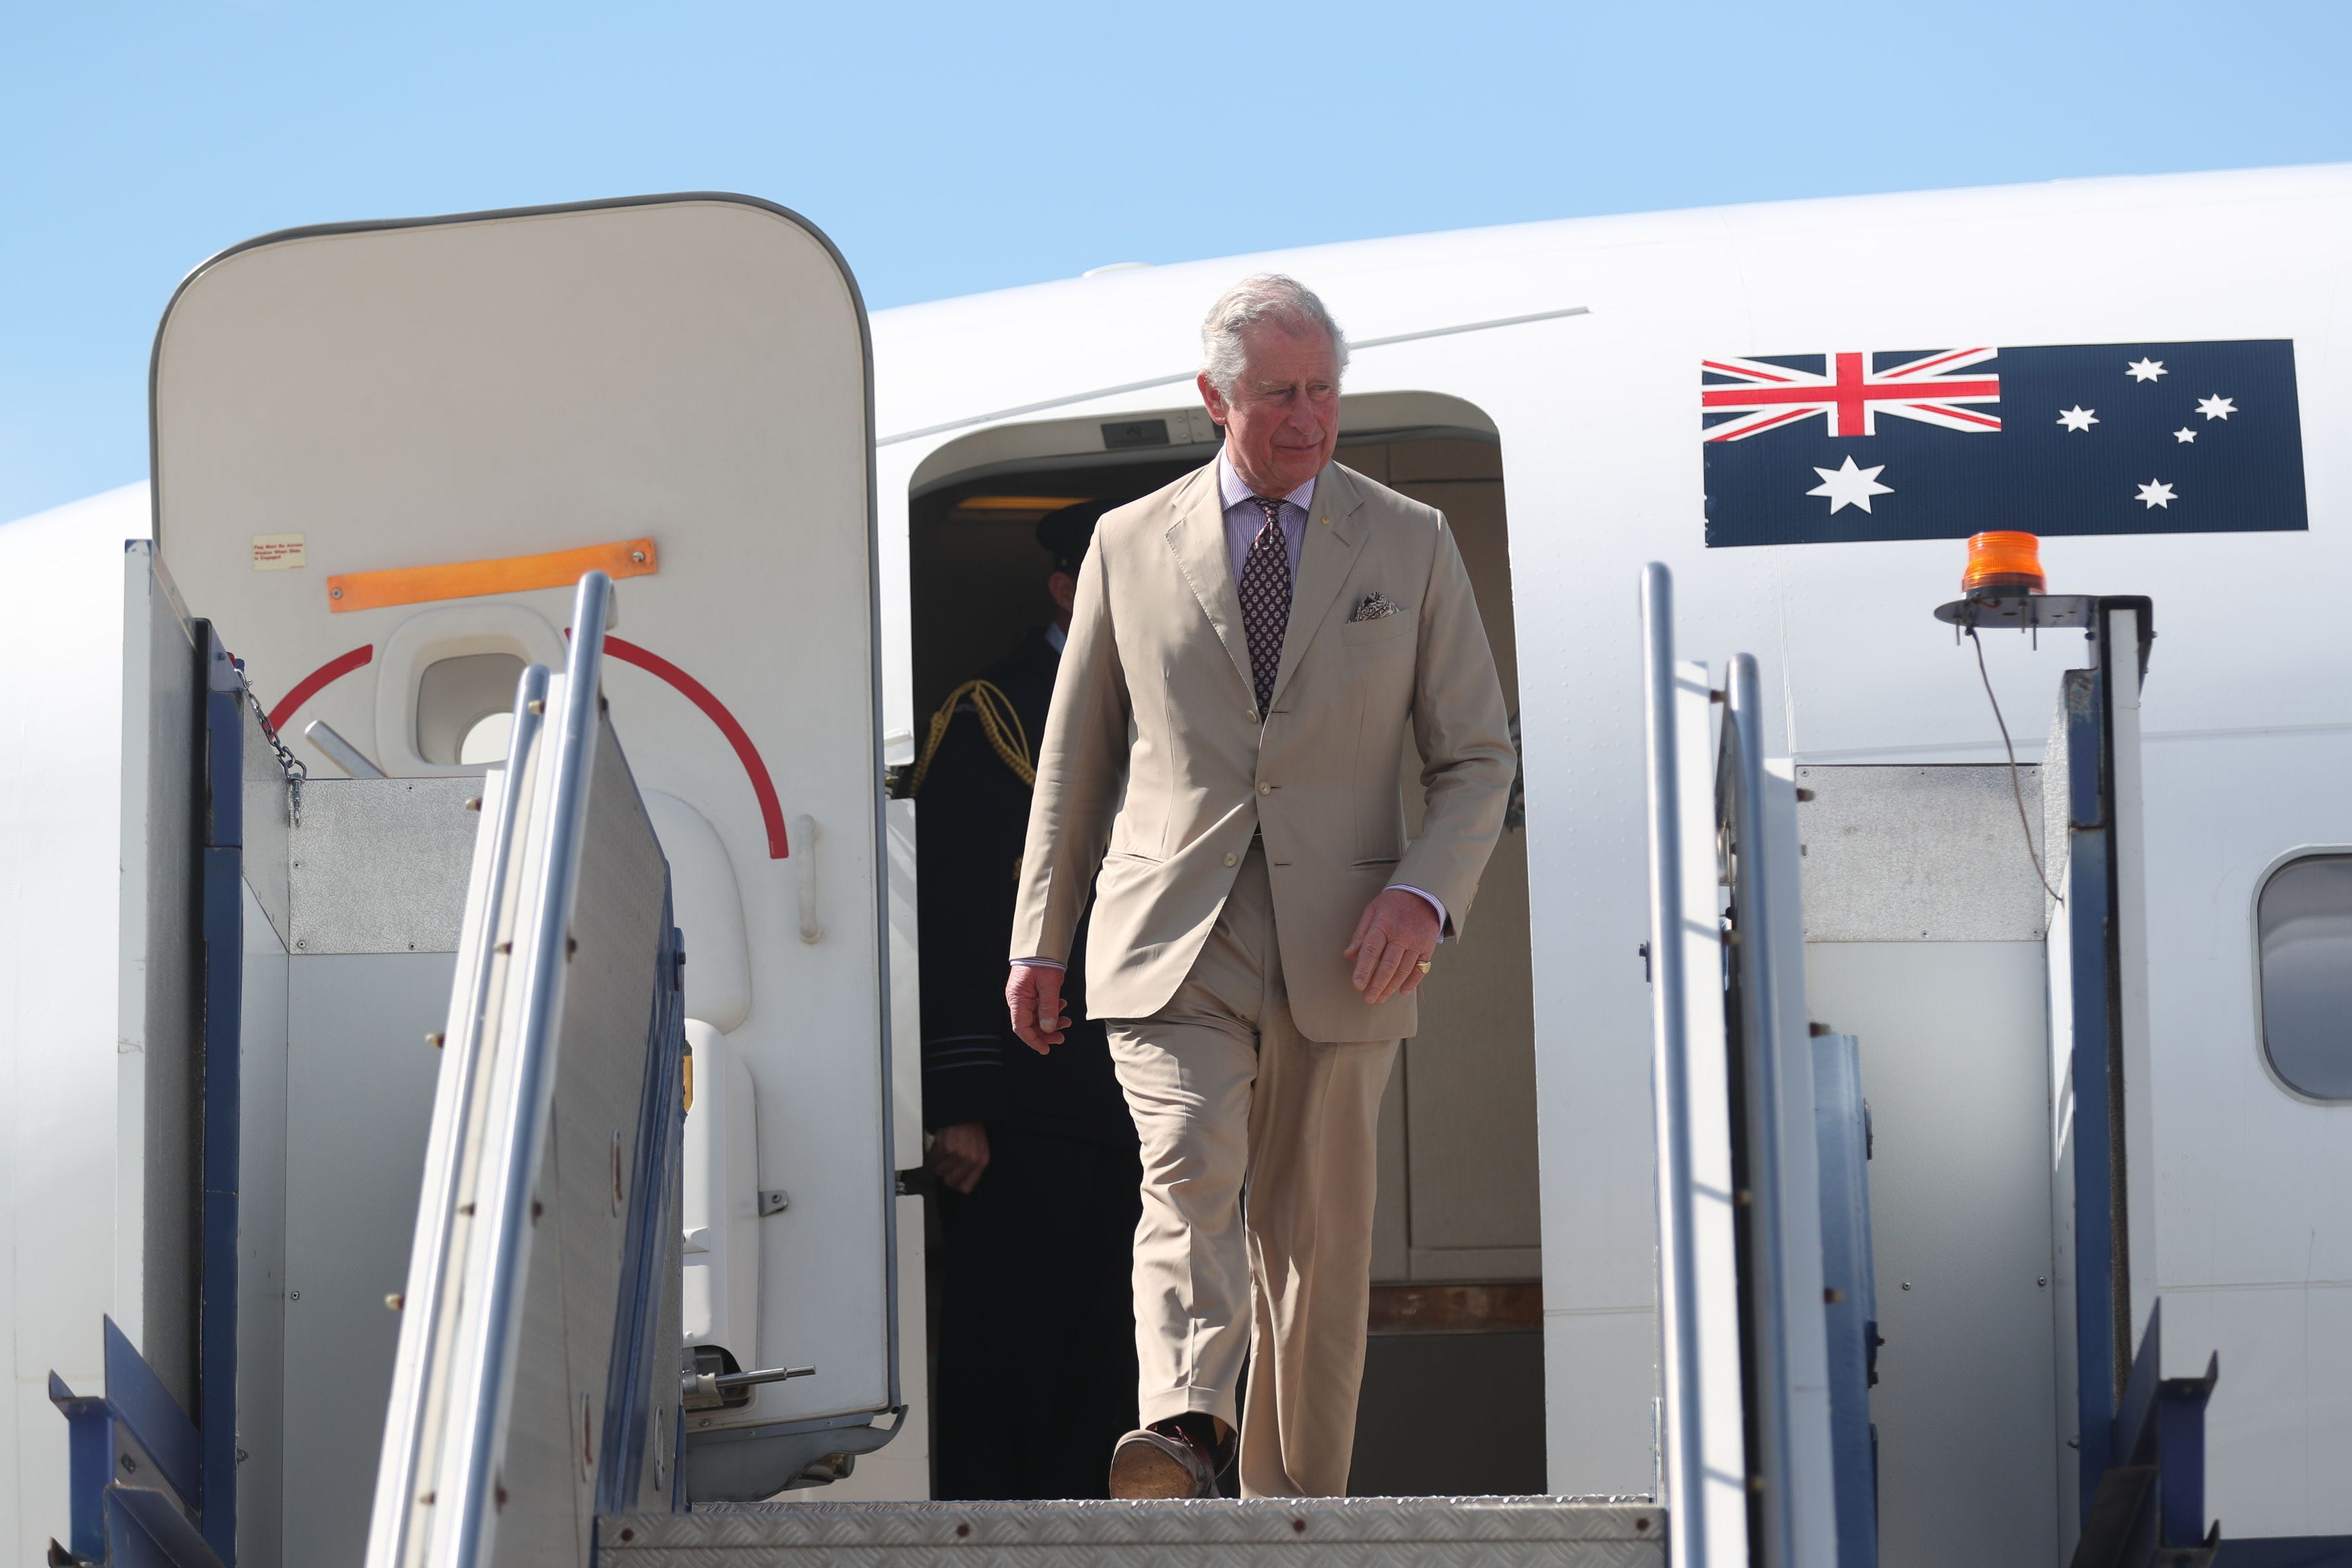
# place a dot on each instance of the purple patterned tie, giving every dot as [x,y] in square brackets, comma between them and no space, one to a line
[1266,600]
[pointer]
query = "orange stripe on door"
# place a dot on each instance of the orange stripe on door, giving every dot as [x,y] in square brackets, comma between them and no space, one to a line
[472,579]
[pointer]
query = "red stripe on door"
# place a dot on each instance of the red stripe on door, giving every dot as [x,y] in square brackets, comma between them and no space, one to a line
[772,810]
[309,686]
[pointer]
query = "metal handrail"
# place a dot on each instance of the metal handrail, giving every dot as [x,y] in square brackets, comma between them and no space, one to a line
[1684,1437]
[480,1425]
[1741,778]
[396,1483]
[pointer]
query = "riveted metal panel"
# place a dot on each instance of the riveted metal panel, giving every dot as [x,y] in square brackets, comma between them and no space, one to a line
[1919,853]
[1491,1532]
[379,865]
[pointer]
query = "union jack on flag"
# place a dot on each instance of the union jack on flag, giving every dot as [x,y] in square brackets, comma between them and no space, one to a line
[1741,398]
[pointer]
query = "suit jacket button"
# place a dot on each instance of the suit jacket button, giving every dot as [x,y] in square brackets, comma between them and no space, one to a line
[1232,859]
[1265,789]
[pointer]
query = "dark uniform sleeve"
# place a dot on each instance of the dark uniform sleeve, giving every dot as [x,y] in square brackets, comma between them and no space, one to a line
[970,821]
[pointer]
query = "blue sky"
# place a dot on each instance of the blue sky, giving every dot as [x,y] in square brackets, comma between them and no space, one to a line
[951,149]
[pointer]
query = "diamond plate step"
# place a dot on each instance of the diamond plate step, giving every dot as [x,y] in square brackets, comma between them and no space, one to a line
[1318,1532]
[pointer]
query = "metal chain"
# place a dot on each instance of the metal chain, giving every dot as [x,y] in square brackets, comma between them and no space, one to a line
[297,774]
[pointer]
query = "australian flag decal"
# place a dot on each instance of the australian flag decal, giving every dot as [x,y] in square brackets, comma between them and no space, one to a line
[1925,444]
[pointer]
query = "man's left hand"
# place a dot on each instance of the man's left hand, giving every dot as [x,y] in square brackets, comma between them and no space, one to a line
[960,1153]
[1394,938]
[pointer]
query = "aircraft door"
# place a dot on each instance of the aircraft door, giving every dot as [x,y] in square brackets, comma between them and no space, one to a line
[383,453]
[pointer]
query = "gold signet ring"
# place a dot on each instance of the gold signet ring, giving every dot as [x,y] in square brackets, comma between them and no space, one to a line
[1425,965]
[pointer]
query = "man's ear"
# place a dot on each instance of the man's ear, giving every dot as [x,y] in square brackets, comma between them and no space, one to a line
[1211,398]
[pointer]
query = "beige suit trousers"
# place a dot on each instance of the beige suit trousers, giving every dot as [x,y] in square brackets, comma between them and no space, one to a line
[1258,1175]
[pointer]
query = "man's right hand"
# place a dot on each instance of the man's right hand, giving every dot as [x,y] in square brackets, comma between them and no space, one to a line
[1032,995]
[960,1153]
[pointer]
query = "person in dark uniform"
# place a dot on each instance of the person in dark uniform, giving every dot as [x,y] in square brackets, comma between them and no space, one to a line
[1039,1179]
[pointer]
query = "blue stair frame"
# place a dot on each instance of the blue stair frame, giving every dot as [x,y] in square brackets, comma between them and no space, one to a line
[2149,1506]
[135,1467]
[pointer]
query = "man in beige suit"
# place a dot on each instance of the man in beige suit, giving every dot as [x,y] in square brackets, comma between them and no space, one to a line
[1249,650]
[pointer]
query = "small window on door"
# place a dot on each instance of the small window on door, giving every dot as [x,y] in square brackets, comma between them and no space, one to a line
[486,743]
[2303,919]
[464,708]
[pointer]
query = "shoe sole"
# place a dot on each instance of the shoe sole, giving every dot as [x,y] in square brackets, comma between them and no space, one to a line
[1145,1471]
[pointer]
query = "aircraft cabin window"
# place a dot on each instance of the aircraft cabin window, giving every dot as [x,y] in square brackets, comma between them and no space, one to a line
[457,701]
[2303,921]
[486,743]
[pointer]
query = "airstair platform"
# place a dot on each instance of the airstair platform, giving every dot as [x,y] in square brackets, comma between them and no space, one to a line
[1296,1532]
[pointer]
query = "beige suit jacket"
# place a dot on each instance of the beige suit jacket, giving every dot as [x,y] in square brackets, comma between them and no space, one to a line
[1155,772]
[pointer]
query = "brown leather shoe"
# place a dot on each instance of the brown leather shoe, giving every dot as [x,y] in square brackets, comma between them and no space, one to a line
[1149,1464]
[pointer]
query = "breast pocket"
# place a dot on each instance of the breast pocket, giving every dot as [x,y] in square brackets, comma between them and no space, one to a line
[1357,633]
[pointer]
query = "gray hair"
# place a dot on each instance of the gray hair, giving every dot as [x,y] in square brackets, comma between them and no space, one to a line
[1268,297]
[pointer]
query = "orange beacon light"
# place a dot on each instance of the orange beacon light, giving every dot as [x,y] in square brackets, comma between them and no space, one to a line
[2003,560]
[2003,586]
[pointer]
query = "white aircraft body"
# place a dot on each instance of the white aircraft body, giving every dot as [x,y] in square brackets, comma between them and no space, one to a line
[1542,384]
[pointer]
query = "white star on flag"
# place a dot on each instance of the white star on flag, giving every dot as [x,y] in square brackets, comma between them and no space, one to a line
[2217,407]
[2154,493]
[2145,369]
[2184,435]
[1850,485]
[2077,417]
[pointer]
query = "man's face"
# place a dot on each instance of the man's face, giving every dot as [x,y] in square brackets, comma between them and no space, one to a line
[1282,419]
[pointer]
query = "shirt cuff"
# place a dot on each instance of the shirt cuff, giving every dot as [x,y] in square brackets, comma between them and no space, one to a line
[1429,898]
[1057,963]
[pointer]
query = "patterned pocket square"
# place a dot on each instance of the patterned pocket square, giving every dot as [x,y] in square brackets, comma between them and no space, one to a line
[1373,606]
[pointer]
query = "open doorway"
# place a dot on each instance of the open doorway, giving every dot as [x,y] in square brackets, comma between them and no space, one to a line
[1453,1378]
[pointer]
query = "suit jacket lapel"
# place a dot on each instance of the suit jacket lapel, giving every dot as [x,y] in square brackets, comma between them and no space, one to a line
[1198,538]
[1325,558]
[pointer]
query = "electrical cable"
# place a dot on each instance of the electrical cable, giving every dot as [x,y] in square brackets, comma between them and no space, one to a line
[2016,787]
